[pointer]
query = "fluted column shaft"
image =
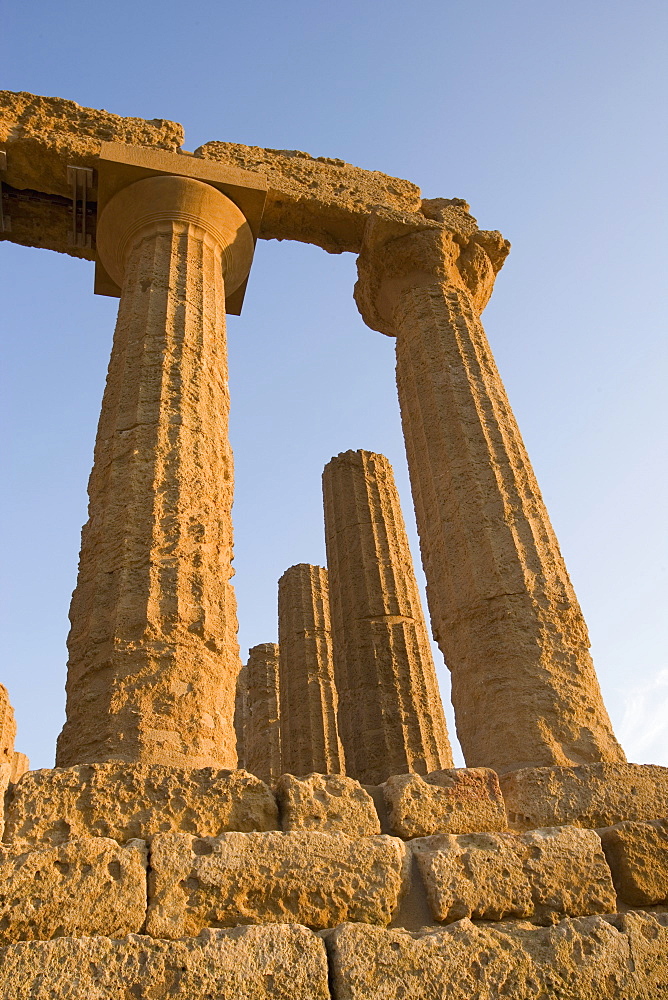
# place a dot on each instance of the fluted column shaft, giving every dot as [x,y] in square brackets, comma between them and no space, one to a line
[7,727]
[503,608]
[262,733]
[308,699]
[153,649]
[390,713]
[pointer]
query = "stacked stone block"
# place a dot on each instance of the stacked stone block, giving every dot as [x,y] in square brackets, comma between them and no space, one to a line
[390,713]
[308,697]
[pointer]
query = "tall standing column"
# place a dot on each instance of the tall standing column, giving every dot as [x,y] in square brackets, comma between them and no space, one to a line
[503,607]
[153,649]
[262,733]
[309,732]
[390,713]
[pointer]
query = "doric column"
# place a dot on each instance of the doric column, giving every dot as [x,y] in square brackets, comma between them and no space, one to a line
[153,649]
[503,608]
[7,728]
[240,713]
[262,733]
[390,713]
[309,733]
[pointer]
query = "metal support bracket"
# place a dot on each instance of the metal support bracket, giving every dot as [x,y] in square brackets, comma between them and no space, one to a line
[80,179]
[5,221]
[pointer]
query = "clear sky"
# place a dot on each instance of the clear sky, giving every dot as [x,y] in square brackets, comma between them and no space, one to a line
[549,118]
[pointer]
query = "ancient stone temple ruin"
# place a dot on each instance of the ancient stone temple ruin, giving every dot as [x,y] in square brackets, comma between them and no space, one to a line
[294,827]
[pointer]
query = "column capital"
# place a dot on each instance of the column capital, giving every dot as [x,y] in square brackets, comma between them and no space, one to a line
[441,245]
[144,207]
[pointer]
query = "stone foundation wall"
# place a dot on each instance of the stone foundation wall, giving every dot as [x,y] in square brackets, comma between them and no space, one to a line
[212,882]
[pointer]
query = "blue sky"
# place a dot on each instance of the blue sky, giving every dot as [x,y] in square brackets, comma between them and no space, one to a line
[550,119]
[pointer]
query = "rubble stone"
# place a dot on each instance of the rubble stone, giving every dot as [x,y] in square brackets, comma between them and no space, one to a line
[638,857]
[592,795]
[455,800]
[85,887]
[313,878]
[123,802]
[545,874]
[274,962]
[577,959]
[329,802]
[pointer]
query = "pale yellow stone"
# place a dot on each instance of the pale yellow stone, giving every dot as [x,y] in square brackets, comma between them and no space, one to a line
[308,698]
[279,962]
[595,795]
[124,801]
[390,713]
[545,874]
[579,959]
[329,802]
[262,728]
[240,713]
[83,888]
[638,857]
[308,877]
[455,800]
[318,200]
[153,649]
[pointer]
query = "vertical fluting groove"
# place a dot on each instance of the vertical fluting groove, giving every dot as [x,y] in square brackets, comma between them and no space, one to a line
[262,731]
[390,714]
[153,615]
[503,607]
[308,698]
[7,727]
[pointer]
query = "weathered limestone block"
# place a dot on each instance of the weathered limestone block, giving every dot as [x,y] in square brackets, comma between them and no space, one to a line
[454,800]
[308,698]
[576,960]
[638,857]
[42,137]
[316,199]
[545,874]
[85,887]
[124,801]
[262,734]
[390,713]
[502,605]
[7,727]
[153,649]
[593,795]
[313,878]
[330,802]
[279,962]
